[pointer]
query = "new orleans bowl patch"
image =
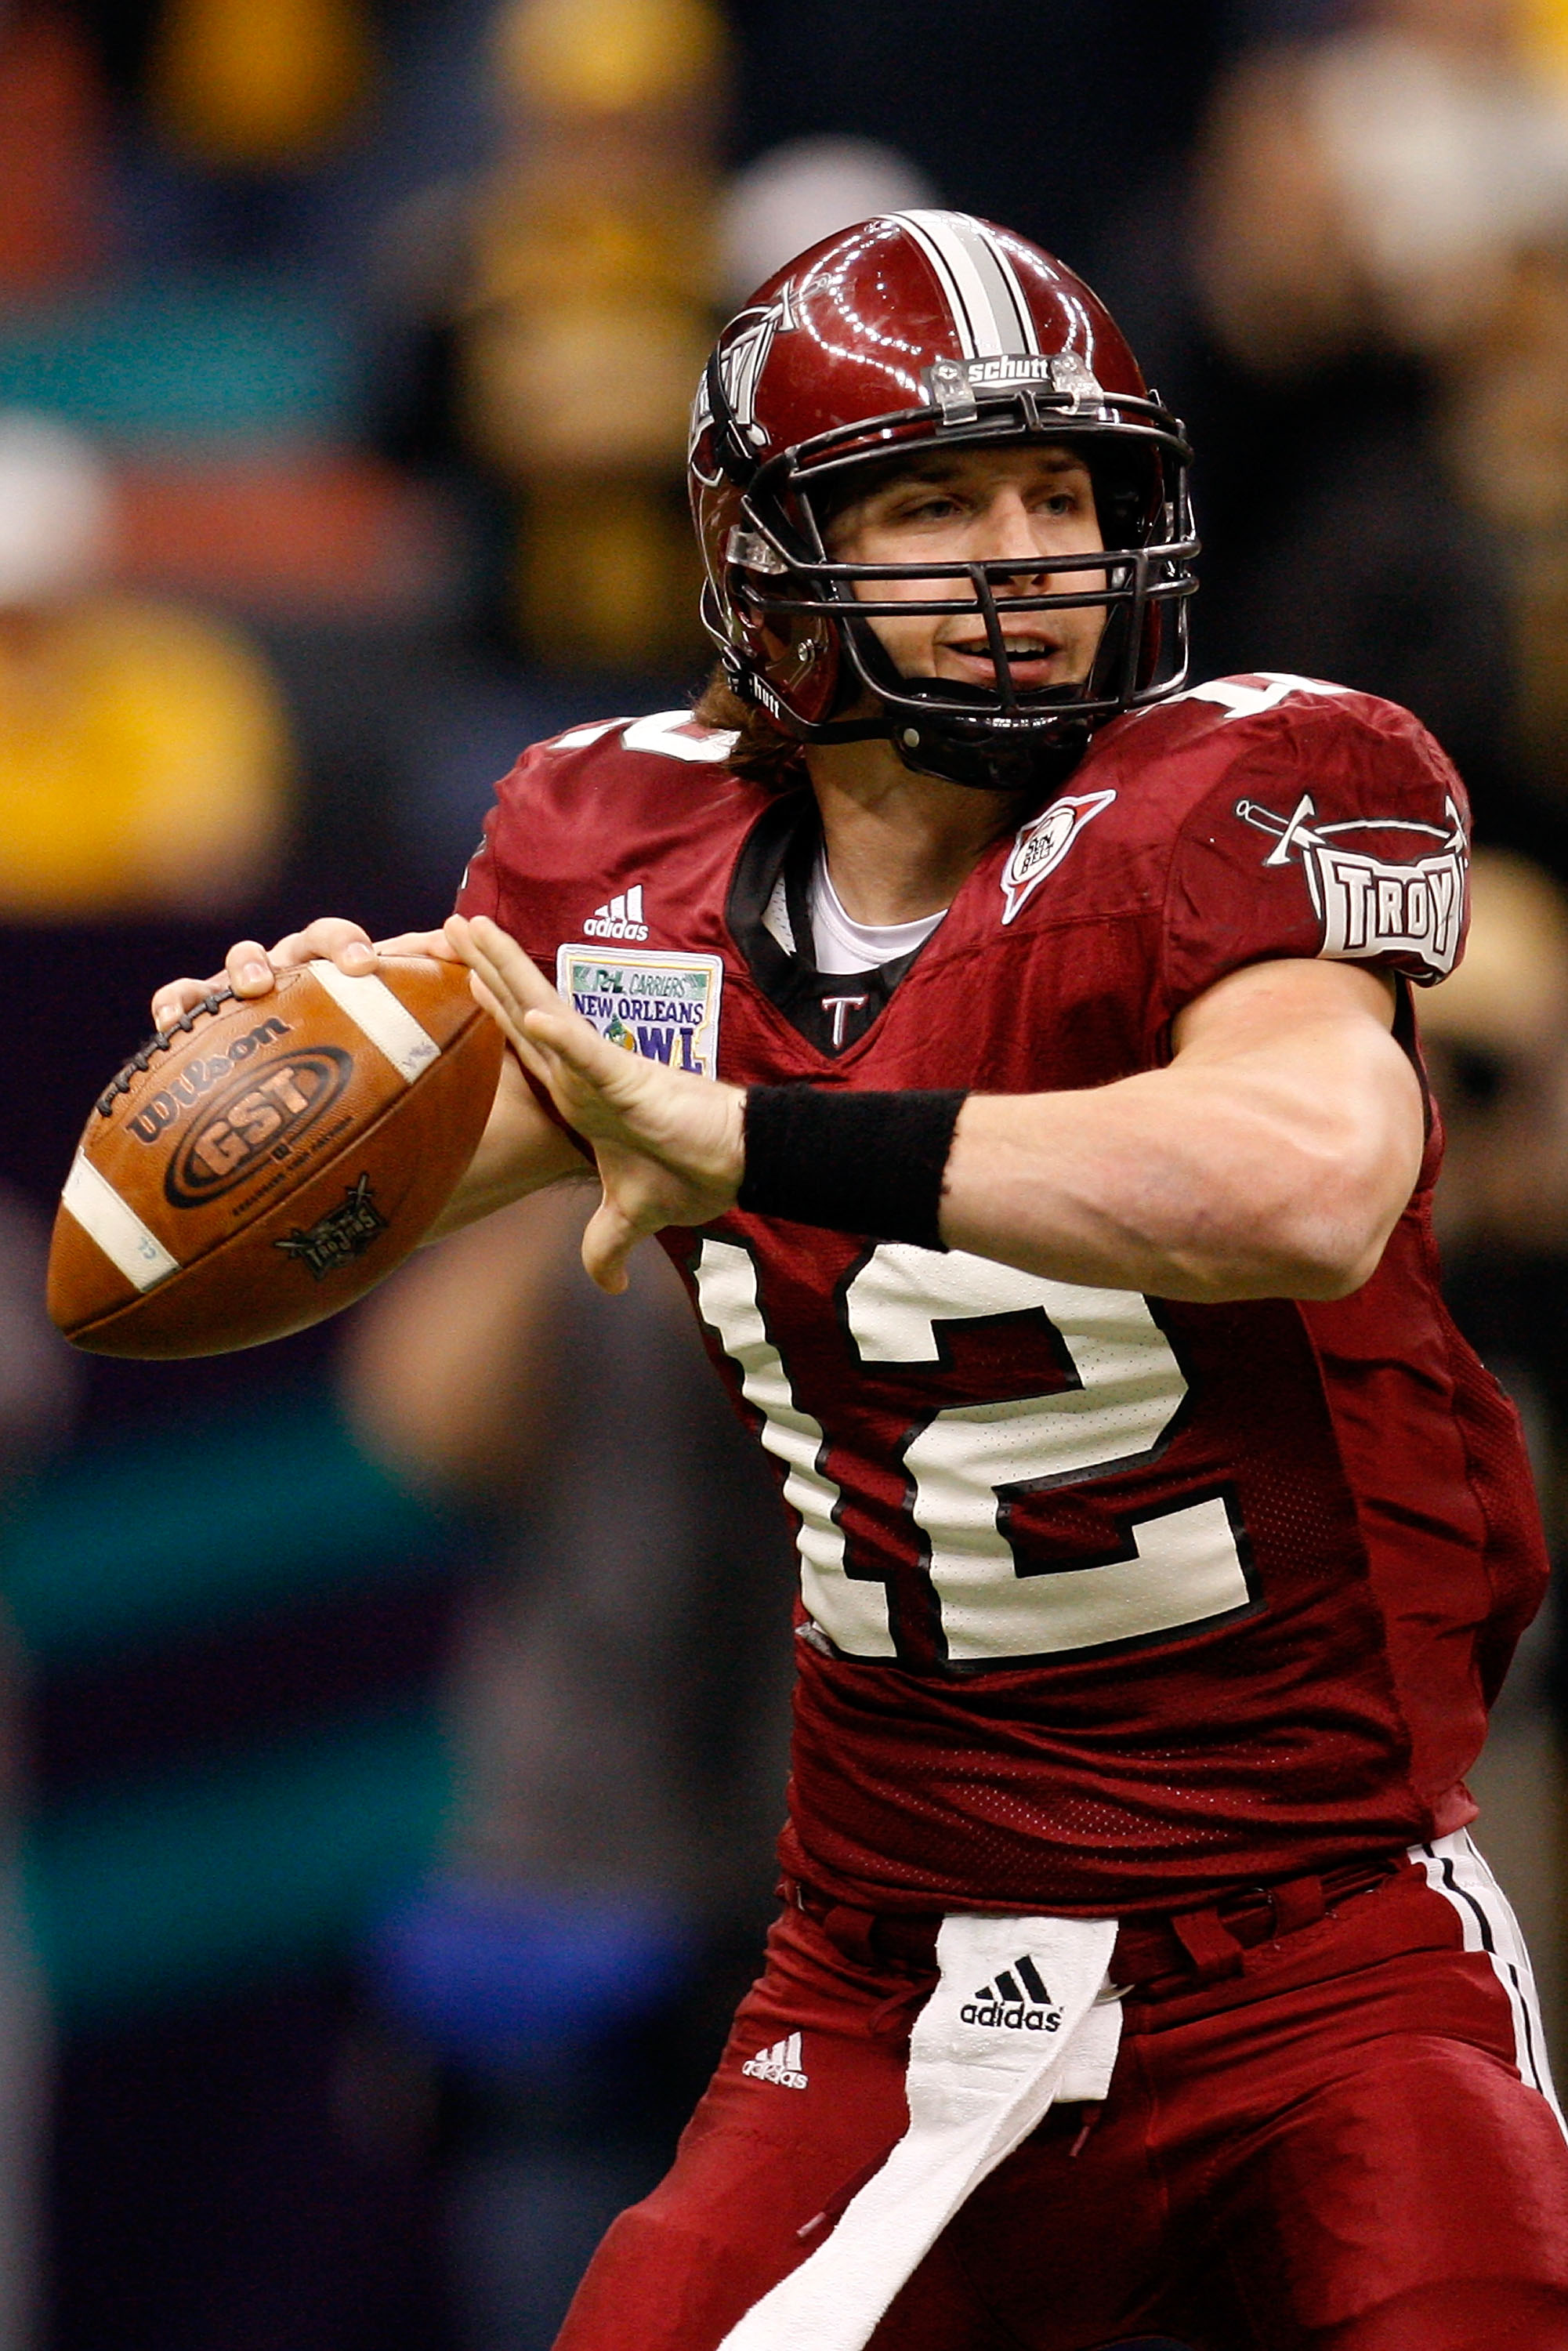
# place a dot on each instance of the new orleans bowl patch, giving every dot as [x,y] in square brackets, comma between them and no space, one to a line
[664,1007]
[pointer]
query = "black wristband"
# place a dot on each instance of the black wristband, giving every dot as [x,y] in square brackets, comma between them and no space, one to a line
[857,1163]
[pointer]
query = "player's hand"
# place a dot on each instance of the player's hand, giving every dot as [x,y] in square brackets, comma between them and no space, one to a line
[670,1145]
[250,969]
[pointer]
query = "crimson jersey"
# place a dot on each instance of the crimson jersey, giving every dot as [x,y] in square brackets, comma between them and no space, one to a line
[1107,1602]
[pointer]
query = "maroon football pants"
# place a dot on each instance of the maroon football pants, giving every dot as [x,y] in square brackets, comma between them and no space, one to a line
[1333,2150]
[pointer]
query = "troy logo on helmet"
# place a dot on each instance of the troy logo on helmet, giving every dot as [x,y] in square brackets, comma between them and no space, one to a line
[1367,906]
[742,357]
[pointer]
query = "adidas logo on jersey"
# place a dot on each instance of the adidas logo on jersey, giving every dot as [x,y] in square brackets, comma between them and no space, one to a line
[1018,2001]
[782,2063]
[621,919]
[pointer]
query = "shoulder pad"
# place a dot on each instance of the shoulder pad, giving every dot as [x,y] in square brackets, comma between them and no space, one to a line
[669,733]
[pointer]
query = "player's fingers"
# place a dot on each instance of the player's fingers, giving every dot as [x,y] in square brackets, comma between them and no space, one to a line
[332,937]
[577,1044]
[510,970]
[591,1082]
[419,943]
[178,997]
[517,993]
[533,1059]
[503,1000]
[504,1015]
[597,1086]
[247,968]
[500,996]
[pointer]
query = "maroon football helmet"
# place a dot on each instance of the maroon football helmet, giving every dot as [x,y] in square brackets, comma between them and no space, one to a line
[916,330]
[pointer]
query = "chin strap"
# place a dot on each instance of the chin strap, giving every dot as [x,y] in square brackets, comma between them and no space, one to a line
[953,751]
[926,748]
[1026,766]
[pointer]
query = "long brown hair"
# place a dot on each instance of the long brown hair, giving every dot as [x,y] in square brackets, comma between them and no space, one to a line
[763,754]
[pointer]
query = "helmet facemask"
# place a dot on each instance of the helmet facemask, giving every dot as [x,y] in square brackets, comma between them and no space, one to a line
[807,650]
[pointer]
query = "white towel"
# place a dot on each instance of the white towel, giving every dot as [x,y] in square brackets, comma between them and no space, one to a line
[987,2058]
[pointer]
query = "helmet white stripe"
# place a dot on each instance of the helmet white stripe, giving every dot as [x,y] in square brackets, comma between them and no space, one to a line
[996,257]
[979,281]
[963,288]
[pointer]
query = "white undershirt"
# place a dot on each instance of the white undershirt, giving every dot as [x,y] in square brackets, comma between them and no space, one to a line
[842,944]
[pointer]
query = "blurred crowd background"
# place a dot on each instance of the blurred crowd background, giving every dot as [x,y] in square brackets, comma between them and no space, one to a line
[395,1718]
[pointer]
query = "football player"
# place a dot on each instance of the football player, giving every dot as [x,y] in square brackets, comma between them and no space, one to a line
[1012,1046]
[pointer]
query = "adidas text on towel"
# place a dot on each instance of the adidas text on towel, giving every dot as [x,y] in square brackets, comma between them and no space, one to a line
[1018,2001]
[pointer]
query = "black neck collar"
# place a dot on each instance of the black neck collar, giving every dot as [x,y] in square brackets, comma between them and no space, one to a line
[832,1010]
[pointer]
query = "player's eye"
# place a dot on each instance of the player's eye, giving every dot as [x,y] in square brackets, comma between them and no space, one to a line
[929,509]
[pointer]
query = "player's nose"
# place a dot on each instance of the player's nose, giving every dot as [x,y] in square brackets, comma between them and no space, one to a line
[1005,531]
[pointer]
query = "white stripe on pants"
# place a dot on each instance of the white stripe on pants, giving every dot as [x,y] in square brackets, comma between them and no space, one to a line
[1454,1869]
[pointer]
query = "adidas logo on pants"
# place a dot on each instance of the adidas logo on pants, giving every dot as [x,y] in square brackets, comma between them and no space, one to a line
[782,2063]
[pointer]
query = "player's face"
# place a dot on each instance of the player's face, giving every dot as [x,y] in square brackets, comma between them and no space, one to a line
[981,504]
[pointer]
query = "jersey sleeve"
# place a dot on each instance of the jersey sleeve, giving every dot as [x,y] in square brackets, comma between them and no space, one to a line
[1339,830]
[494,883]
[533,842]
[483,887]
[479,892]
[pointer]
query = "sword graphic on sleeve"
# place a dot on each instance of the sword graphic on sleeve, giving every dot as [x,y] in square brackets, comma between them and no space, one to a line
[1366,905]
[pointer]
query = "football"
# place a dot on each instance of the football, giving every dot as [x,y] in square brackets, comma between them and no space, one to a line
[269,1159]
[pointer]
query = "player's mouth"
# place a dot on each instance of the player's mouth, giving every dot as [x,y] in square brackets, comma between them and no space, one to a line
[1033,658]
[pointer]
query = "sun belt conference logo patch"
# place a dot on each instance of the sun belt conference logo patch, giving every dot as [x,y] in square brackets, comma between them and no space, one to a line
[1370,905]
[664,1007]
[1044,842]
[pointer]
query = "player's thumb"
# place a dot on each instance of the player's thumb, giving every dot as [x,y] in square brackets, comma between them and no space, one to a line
[607,1243]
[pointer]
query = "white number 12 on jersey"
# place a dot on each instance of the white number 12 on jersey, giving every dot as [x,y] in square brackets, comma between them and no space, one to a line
[1180,1569]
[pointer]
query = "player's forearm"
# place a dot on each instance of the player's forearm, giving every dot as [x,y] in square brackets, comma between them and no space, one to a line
[449,1372]
[519,1152]
[1203,1183]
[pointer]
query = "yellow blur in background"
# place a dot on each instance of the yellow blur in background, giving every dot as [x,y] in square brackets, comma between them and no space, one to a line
[588,313]
[257,82]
